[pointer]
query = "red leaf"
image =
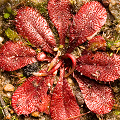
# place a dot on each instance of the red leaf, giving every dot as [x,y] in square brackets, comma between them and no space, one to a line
[99,66]
[86,23]
[31,25]
[32,95]
[98,98]
[59,12]
[14,56]
[97,42]
[63,102]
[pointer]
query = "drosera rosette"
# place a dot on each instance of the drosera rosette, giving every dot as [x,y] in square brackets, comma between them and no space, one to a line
[61,103]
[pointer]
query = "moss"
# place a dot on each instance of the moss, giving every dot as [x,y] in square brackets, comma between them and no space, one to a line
[12,35]
[6,15]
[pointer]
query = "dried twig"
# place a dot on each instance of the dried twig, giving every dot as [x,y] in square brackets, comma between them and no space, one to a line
[5,109]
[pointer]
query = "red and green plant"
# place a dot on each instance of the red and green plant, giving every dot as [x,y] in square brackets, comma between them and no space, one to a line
[61,104]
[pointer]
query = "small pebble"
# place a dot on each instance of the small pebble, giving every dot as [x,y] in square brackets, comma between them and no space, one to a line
[1,40]
[118,116]
[9,88]
[71,83]
[35,114]
[8,117]
[113,2]
[9,95]
[56,49]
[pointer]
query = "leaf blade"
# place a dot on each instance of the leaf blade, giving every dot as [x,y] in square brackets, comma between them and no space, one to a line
[14,56]
[31,24]
[32,95]
[98,98]
[99,66]
[59,12]
[63,102]
[86,23]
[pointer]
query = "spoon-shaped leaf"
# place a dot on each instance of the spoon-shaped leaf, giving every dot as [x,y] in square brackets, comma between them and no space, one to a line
[100,66]
[32,95]
[63,102]
[98,98]
[31,25]
[14,56]
[59,12]
[86,23]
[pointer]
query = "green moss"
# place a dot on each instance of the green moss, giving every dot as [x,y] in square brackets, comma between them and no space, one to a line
[14,12]
[6,100]
[15,118]
[12,35]
[42,7]
[6,15]
[117,112]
